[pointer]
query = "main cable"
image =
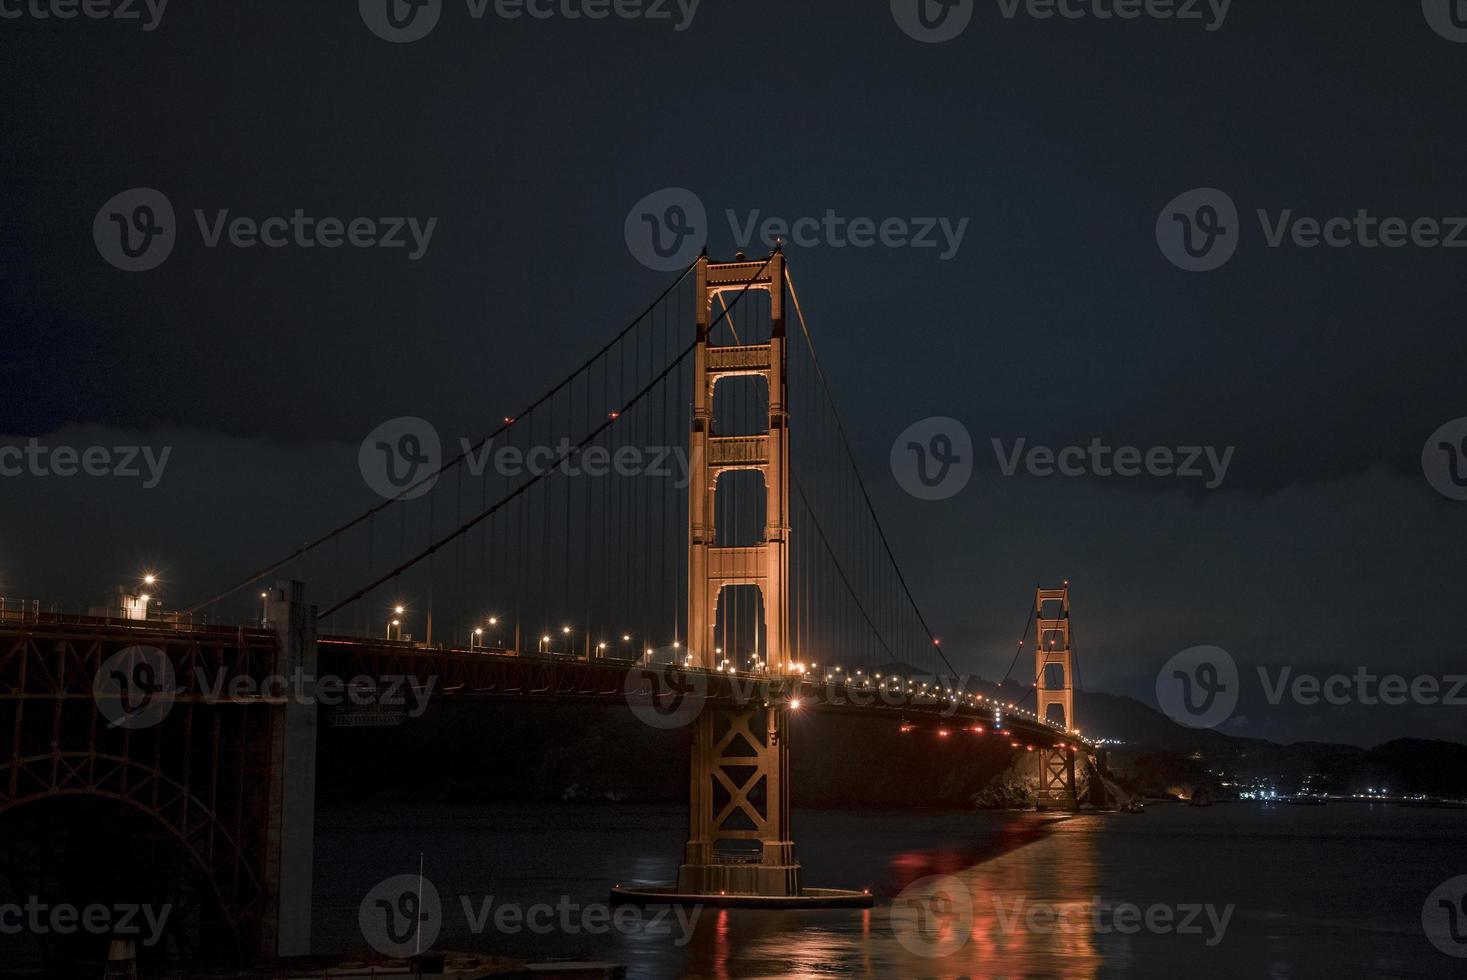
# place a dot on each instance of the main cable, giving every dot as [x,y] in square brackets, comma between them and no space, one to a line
[860,482]
[466,453]
[610,419]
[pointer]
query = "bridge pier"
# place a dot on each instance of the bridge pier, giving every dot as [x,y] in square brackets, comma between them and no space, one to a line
[285,928]
[1057,780]
[740,770]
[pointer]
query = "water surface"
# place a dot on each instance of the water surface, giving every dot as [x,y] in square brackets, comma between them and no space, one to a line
[1314,891]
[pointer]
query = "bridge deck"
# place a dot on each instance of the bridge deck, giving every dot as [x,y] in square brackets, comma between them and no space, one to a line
[486,673]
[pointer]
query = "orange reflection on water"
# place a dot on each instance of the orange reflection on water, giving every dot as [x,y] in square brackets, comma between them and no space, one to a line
[1031,909]
[720,946]
[998,882]
[866,941]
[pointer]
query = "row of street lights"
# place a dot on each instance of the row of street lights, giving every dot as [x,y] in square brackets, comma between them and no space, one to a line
[478,641]
[546,643]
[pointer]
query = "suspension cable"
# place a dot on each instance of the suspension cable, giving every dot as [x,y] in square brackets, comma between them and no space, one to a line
[860,482]
[455,461]
[605,424]
[820,533]
[1024,636]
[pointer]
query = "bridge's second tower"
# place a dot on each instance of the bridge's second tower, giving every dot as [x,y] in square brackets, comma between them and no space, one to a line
[1054,688]
[1052,665]
[739,827]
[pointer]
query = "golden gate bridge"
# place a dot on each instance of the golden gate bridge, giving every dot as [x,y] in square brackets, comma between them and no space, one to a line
[756,583]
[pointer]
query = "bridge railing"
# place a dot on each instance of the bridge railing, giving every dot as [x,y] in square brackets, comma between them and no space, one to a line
[37,611]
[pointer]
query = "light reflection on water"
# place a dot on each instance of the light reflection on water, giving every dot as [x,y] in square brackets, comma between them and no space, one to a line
[991,940]
[1329,891]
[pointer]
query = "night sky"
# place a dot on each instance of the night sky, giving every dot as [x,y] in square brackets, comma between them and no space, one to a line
[1058,319]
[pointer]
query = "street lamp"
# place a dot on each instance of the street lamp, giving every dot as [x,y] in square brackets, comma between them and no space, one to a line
[140,602]
[494,631]
[544,640]
[477,639]
[394,625]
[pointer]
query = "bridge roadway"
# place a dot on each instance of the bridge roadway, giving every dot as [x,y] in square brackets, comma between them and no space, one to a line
[220,662]
[490,673]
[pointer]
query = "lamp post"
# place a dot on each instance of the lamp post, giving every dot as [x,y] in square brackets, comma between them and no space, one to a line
[476,639]
[144,597]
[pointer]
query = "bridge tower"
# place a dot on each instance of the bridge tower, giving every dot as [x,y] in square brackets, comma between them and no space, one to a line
[713,567]
[739,827]
[1053,656]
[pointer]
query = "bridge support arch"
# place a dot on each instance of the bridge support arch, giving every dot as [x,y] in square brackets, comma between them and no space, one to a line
[228,771]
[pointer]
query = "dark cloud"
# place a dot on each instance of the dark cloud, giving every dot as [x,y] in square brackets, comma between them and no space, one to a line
[1057,320]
